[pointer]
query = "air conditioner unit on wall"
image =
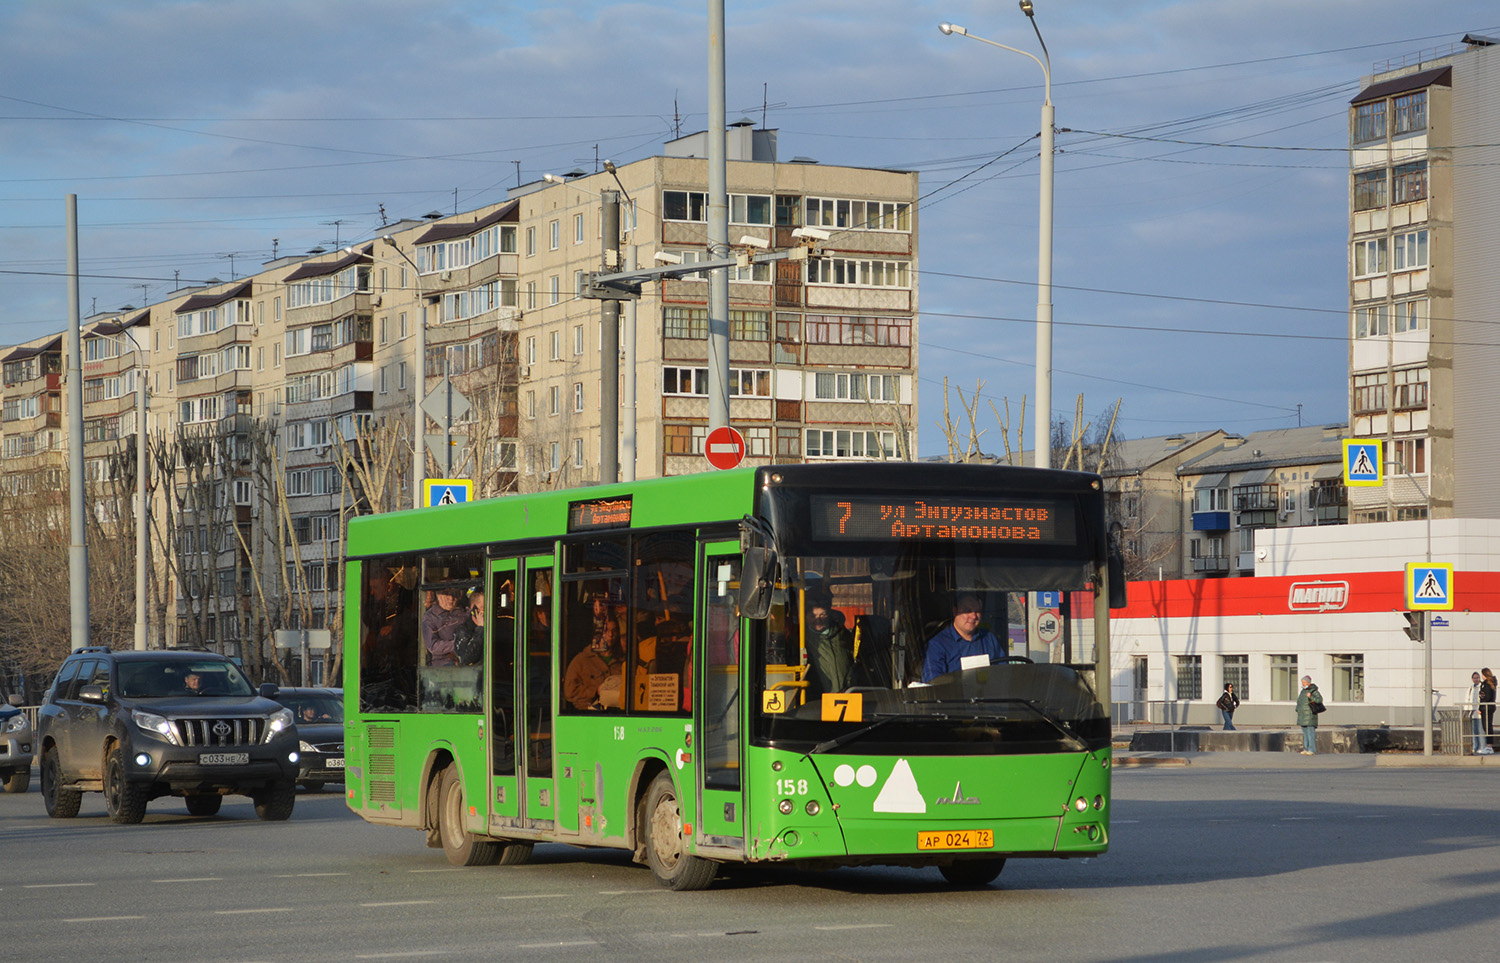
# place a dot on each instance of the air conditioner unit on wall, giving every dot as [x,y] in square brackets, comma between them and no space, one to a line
[446,276]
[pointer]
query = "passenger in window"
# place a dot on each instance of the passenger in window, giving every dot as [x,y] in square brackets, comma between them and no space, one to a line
[830,647]
[468,638]
[961,639]
[595,676]
[442,619]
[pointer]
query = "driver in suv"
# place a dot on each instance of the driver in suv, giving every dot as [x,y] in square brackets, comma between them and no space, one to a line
[140,725]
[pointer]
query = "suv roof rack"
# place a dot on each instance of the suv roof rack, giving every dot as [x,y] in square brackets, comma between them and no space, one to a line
[92,648]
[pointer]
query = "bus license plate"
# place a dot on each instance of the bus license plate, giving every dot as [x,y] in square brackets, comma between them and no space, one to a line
[956,839]
[224,759]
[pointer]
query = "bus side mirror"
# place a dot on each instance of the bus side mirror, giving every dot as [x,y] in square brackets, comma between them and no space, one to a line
[1116,580]
[757,582]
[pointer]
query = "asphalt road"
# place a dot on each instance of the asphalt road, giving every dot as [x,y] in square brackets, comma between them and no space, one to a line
[1300,860]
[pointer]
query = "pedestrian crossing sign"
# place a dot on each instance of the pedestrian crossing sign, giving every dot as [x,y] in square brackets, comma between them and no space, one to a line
[1428,586]
[446,491]
[1361,461]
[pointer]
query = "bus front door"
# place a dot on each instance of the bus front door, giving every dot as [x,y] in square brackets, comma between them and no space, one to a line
[721,803]
[504,602]
[535,708]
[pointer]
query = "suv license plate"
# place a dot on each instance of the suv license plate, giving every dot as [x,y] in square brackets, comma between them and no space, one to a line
[224,759]
[956,839]
[336,763]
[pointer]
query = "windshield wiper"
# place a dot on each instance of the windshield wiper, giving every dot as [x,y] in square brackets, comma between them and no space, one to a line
[859,733]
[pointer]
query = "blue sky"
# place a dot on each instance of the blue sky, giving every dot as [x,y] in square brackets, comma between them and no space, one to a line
[1200,189]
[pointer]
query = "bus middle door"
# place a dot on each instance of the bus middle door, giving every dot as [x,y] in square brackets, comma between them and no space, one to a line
[504,603]
[535,705]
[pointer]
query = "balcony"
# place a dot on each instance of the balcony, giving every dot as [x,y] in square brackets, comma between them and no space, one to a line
[1210,521]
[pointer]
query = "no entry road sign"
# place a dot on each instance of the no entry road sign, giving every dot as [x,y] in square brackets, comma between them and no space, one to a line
[724,447]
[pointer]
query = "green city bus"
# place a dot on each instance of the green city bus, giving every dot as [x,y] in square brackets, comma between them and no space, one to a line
[735,667]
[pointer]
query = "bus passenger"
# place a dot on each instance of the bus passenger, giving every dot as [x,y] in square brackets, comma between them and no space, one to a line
[830,647]
[439,624]
[960,639]
[595,676]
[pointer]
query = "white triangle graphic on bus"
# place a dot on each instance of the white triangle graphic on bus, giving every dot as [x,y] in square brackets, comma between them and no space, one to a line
[900,793]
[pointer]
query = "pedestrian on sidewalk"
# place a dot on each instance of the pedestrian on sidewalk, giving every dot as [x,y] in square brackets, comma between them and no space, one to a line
[1228,702]
[1487,703]
[1475,703]
[1309,705]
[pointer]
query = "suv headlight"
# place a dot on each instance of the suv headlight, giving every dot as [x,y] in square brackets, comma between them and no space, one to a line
[278,722]
[16,723]
[151,722]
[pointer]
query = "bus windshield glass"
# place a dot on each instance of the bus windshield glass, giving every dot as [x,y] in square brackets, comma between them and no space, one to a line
[923,648]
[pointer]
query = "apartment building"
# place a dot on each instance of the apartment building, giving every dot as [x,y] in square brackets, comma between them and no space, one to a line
[285,401]
[1424,233]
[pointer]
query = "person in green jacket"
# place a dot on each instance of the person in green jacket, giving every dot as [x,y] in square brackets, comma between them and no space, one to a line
[830,647]
[1307,716]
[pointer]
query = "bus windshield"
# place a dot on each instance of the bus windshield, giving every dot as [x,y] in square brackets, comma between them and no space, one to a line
[925,649]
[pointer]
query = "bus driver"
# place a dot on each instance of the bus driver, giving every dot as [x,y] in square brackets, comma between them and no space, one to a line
[961,639]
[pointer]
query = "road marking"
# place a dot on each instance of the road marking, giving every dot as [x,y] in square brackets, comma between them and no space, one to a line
[1297,819]
[535,896]
[306,875]
[402,902]
[1124,822]
[628,892]
[550,946]
[857,926]
[405,955]
[1375,816]
[268,909]
[101,919]
[191,879]
[53,885]
[445,869]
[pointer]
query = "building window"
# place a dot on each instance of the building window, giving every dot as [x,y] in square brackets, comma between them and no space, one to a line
[1409,389]
[1372,321]
[1189,676]
[1349,678]
[554,456]
[577,396]
[1411,315]
[858,215]
[840,443]
[554,233]
[1284,687]
[1407,456]
[554,400]
[1410,251]
[856,386]
[788,443]
[554,289]
[577,228]
[1369,122]
[577,452]
[847,330]
[1369,393]
[683,439]
[578,339]
[679,322]
[1409,183]
[859,273]
[531,404]
[1236,670]
[757,441]
[1369,257]
[531,295]
[1211,500]
[1369,189]
[530,241]
[1409,113]
[556,345]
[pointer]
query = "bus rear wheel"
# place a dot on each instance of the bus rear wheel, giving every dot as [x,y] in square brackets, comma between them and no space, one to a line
[972,872]
[461,847]
[670,863]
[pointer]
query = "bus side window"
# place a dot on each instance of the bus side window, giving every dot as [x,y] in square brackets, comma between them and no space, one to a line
[593,641]
[662,569]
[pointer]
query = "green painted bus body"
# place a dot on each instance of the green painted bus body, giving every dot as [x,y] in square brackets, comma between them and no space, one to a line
[841,806]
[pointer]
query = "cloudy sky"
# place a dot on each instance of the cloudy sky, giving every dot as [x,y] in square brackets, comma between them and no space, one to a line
[1201,203]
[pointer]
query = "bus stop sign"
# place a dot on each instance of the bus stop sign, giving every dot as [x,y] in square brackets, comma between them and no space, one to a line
[724,447]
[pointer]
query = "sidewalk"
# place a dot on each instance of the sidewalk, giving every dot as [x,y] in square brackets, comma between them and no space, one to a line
[1345,747]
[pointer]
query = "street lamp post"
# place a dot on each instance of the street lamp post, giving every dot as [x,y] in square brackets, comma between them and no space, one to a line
[1043,441]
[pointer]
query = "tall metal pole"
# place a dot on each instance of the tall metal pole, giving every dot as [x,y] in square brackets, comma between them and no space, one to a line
[609,349]
[142,505]
[419,387]
[78,551]
[627,434]
[718,225]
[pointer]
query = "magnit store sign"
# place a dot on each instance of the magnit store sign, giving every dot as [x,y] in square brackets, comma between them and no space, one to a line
[1317,596]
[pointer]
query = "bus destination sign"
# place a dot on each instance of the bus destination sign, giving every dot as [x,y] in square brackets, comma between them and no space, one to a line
[1030,521]
[601,513]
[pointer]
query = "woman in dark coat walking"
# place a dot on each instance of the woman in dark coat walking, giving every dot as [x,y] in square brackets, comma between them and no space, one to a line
[1228,702]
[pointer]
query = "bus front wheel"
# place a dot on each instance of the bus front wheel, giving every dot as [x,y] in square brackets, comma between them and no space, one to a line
[666,854]
[461,847]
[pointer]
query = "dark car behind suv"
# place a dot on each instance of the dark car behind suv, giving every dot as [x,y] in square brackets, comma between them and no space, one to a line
[140,725]
[319,714]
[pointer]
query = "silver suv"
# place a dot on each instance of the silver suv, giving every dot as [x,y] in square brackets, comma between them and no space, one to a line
[140,725]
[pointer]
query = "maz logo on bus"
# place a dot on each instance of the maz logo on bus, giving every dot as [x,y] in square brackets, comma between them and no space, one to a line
[1317,596]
